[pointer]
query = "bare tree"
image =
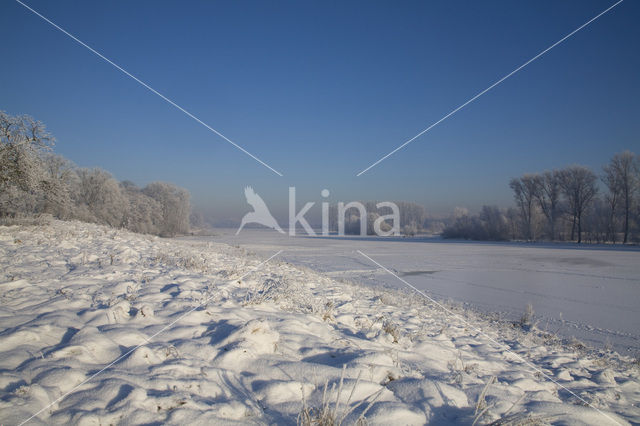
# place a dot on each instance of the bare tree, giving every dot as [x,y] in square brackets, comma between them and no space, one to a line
[525,190]
[578,185]
[622,181]
[548,195]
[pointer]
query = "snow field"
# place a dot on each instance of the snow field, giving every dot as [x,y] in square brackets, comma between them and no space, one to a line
[280,345]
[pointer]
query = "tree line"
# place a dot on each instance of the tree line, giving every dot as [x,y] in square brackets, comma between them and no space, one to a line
[34,180]
[564,205]
[412,218]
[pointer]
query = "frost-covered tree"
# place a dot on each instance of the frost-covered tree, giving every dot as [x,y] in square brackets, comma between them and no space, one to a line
[461,227]
[634,226]
[621,178]
[494,223]
[410,229]
[143,214]
[100,193]
[525,191]
[512,217]
[174,204]
[22,140]
[612,199]
[547,193]
[33,180]
[56,186]
[460,212]
[596,221]
[578,185]
[412,217]
[489,225]
[374,212]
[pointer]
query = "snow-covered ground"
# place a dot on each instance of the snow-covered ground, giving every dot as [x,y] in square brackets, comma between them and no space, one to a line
[588,292]
[100,326]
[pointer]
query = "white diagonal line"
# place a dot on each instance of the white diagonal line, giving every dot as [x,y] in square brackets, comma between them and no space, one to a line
[490,87]
[145,85]
[479,331]
[142,344]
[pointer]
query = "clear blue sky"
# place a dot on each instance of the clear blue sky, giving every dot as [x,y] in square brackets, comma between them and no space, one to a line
[320,90]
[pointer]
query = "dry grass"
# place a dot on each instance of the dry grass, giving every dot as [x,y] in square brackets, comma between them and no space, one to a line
[330,412]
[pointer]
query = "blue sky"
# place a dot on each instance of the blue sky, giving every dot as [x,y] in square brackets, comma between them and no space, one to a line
[320,90]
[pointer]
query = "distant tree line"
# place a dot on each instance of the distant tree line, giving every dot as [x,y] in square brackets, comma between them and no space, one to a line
[412,218]
[563,205]
[34,180]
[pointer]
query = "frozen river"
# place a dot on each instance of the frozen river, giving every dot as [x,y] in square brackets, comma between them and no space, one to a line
[588,292]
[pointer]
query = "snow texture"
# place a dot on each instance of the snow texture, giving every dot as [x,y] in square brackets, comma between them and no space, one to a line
[264,345]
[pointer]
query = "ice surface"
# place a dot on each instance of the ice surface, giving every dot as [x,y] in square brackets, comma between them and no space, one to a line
[588,292]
